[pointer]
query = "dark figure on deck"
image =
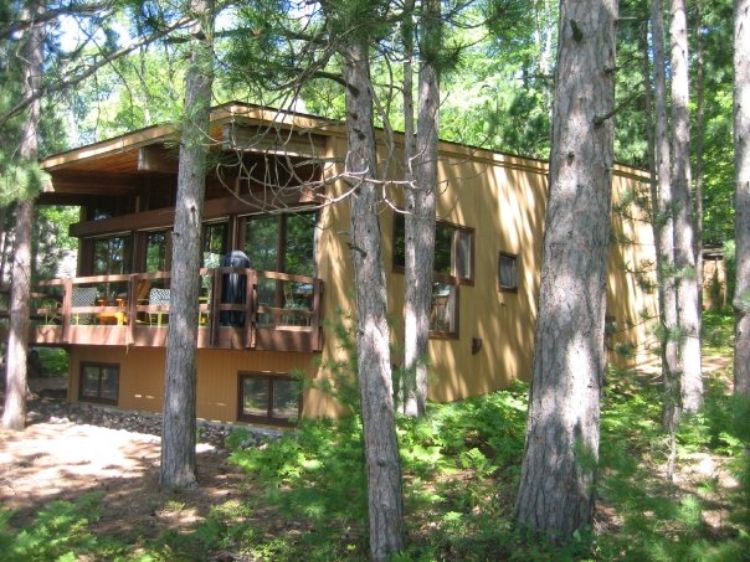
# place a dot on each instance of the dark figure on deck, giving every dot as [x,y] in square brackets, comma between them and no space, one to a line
[233,288]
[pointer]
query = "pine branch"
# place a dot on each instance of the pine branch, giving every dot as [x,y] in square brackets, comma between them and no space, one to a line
[71,9]
[65,84]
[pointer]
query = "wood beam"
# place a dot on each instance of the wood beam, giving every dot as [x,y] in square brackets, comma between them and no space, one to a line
[157,158]
[213,209]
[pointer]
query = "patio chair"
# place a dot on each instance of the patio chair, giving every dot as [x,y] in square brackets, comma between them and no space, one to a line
[82,296]
[158,297]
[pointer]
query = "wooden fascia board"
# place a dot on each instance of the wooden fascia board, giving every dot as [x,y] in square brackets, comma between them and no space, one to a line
[129,141]
[85,183]
[164,218]
[267,139]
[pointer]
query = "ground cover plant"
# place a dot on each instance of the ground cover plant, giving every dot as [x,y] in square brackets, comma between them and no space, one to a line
[304,496]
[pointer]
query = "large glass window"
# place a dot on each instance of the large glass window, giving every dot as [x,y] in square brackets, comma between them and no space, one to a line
[99,382]
[213,244]
[157,251]
[283,243]
[262,242]
[299,255]
[269,398]
[111,256]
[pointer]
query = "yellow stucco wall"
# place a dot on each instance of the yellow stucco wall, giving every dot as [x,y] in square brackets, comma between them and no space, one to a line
[503,198]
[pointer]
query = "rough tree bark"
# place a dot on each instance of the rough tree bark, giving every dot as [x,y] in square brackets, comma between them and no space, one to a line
[14,415]
[688,302]
[420,217]
[700,133]
[178,429]
[556,495]
[385,500]
[664,230]
[742,197]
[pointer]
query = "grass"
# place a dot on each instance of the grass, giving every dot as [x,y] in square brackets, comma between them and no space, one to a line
[306,492]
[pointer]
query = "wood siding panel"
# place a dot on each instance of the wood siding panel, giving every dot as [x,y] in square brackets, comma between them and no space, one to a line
[503,198]
[142,376]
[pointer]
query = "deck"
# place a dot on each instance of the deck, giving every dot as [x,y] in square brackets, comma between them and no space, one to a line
[238,308]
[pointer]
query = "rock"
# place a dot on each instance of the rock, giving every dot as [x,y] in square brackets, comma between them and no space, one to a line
[213,433]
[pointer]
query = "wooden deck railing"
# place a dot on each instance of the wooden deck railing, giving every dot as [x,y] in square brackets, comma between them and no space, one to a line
[238,309]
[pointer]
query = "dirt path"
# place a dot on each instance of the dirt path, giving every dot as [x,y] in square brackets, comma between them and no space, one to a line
[61,460]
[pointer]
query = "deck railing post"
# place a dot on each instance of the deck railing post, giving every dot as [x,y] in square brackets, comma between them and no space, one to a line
[67,309]
[215,300]
[132,310]
[251,278]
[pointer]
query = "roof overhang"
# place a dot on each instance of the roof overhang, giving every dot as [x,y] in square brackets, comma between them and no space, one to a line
[116,167]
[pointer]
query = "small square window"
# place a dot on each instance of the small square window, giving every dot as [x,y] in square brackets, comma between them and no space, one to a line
[275,399]
[99,382]
[507,272]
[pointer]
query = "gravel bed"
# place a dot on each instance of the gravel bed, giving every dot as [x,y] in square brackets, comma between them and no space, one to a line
[51,407]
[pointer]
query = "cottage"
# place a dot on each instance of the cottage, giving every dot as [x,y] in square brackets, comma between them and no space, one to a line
[275,198]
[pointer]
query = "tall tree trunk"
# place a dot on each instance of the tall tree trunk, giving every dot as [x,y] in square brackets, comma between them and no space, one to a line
[3,238]
[742,197]
[664,232]
[556,494]
[14,415]
[420,216]
[699,136]
[385,500]
[688,302]
[178,430]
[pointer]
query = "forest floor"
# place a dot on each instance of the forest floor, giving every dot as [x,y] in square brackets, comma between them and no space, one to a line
[55,459]
[77,491]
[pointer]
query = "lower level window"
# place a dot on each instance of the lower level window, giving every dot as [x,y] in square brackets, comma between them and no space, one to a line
[269,398]
[99,382]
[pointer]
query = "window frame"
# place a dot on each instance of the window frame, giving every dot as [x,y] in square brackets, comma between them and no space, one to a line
[453,278]
[100,366]
[142,248]
[449,278]
[281,242]
[88,251]
[456,334]
[226,244]
[269,419]
[504,288]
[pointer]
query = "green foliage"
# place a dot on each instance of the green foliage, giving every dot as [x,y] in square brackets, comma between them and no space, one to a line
[224,527]
[730,263]
[658,521]
[341,380]
[53,360]
[718,331]
[315,475]
[461,467]
[20,180]
[58,533]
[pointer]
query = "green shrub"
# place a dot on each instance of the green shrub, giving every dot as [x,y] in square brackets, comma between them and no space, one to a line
[59,532]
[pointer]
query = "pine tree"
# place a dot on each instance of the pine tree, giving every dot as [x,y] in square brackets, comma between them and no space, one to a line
[14,415]
[742,196]
[688,301]
[178,433]
[556,493]
[419,240]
